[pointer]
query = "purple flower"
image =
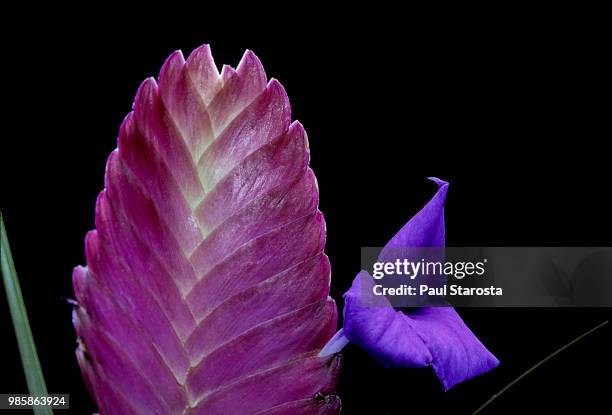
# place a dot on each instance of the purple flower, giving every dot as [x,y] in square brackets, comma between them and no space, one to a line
[422,336]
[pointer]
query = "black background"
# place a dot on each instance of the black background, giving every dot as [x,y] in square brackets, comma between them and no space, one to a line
[511,113]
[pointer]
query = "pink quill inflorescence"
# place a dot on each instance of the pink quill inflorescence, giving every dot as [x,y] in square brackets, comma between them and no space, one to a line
[209,214]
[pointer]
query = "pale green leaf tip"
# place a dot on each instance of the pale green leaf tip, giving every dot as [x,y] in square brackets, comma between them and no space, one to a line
[25,341]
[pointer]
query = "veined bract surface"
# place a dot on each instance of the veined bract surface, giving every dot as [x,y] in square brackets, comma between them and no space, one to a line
[206,286]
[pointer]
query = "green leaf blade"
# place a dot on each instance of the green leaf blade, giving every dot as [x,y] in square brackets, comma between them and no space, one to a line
[25,341]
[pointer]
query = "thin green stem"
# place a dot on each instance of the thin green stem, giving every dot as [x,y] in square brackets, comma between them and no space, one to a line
[25,341]
[534,367]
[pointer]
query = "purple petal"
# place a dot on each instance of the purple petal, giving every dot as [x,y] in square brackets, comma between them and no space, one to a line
[423,336]
[426,228]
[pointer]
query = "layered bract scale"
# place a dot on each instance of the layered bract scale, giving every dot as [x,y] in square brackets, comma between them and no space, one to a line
[206,286]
